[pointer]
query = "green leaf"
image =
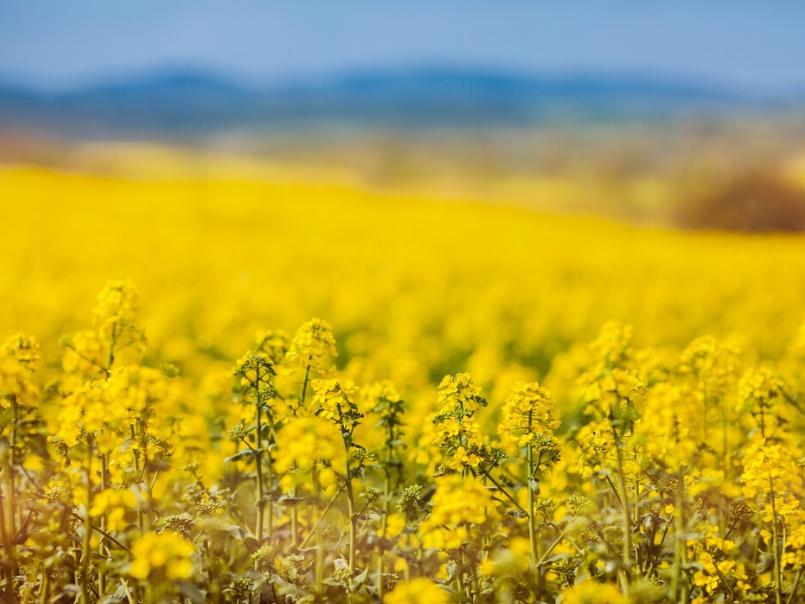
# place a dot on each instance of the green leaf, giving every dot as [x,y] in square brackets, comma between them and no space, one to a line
[246,453]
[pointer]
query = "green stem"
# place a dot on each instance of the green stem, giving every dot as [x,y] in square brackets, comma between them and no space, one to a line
[294,522]
[106,535]
[270,477]
[144,478]
[12,503]
[12,497]
[320,564]
[460,577]
[384,519]
[778,586]
[7,574]
[127,591]
[552,547]
[501,488]
[704,404]
[353,519]
[86,553]
[136,460]
[44,586]
[321,518]
[627,518]
[259,501]
[101,545]
[110,357]
[680,585]
[794,587]
[304,384]
[725,442]
[294,513]
[532,528]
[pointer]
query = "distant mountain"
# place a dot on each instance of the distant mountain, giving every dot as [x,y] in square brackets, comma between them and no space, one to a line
[498,84]
[186,102]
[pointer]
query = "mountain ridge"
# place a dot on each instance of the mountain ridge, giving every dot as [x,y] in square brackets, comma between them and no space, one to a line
[185,100]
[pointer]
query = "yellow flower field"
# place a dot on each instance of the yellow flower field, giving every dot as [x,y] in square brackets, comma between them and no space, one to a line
[245,389]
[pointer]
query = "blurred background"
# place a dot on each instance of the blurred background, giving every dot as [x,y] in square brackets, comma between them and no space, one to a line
[683,114]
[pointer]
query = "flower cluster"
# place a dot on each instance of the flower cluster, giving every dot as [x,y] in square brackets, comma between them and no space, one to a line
[336,401]
[313,345]
[528,413]
[459,509]
[645,475]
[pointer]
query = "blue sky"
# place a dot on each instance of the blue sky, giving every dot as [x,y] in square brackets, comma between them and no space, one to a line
[64,43]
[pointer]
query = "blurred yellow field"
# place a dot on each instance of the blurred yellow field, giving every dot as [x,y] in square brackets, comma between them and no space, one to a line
[394,275]
[188,441]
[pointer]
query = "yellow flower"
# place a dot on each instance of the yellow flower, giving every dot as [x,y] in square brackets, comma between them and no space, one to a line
[255,370]
[274,345]
[24,349]
[19,359]
[116,311]
[114,503]
[335,401]
[769,465]
[671,426]
[613,346]
[527,413]
[95,409]
[312,346]
[459,505]
[395,524]
[302,441]
[712,363]
[759,388]
[167,552]
[592,592]
[459,392]
[418,591]
[117,301]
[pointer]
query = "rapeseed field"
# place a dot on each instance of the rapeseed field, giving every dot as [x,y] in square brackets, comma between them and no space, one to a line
[234,389]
